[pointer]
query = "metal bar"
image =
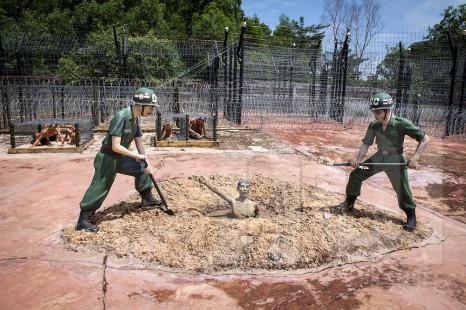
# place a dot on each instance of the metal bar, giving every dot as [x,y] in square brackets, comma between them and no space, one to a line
[371,164]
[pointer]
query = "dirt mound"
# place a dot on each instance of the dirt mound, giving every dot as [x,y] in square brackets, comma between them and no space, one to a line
[299,227]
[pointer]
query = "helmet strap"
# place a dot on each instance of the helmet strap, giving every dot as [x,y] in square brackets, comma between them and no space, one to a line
[386,112]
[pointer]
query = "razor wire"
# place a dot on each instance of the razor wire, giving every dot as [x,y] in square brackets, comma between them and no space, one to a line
[281,87]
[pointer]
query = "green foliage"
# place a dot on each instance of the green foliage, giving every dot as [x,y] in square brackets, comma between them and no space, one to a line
[148,58]
[210,23]
[454,20]
[293,33]
[388,68]
[256,31]
[147,16]
[153,58]
[427,74]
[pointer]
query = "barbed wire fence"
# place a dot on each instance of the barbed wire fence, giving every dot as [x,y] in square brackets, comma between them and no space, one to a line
[244,84]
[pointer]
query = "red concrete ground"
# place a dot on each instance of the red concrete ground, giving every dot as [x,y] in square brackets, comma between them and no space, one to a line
[40,196]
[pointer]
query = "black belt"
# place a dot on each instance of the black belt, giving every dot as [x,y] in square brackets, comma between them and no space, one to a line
[386,153]
[110,152]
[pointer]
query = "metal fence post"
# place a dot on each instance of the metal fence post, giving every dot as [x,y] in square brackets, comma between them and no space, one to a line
[454,53]
[77,134]
[345,72]
[187,126]
[102,105]
[214,127]
[399,85]
[12,136]
[159,127]
[62,99]
[95,104]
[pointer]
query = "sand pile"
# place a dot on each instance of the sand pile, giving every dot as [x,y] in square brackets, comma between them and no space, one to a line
[299,228]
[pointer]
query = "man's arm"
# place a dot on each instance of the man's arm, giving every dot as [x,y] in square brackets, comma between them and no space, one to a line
[216,190]
[118,148]
[420,149]
[362,151]
[142,151]
[40,136]
[204,131]
[59,135]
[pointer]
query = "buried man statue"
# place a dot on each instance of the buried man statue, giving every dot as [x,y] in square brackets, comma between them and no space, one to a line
[242,206]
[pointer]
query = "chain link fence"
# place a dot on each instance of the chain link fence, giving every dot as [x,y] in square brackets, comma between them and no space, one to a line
[242,83]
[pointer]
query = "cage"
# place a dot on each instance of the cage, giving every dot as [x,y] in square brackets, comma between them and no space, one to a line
[176,129]
[51,135]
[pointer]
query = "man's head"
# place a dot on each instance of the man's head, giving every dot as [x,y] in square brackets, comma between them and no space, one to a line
[243,186]
[381,104]
[147,99]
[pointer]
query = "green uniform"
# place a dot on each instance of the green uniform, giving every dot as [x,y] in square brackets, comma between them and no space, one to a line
[390,144]
[108,163]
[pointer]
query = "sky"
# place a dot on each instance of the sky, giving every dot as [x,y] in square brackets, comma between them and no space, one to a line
[397,14]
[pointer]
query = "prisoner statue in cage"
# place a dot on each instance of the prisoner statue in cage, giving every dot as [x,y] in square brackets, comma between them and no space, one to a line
[49,133]
[197,128]
[242,206]
[167,131]
[70,133]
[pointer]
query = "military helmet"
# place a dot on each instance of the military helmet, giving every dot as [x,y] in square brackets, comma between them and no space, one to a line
[145,96]
[381,101]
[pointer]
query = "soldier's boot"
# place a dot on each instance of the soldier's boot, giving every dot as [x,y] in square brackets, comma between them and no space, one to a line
[411,219]
[348,204]
[84,223]
[148,200]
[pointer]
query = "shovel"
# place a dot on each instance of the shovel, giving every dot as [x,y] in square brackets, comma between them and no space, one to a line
[166,208]
[371,164]
[329,162]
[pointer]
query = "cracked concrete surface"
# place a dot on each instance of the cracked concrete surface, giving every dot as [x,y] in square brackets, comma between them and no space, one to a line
[40,196]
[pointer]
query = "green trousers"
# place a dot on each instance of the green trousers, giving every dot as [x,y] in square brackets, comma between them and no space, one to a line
[106,168]
[398,176]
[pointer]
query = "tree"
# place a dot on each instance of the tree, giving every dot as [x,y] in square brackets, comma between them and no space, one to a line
[363,20]
[283,33]
[256,31]
[149,58]
[365,24]
[216,15]
[454,20]
[335,12]
[292,33]
[149,15]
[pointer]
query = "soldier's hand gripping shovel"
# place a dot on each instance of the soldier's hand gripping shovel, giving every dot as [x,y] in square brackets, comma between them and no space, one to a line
[166,208]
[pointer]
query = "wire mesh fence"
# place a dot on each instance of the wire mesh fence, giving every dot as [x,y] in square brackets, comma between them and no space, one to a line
[248,84]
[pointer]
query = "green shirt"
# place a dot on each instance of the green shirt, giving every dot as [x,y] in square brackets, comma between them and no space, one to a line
[392,139]
[124,126]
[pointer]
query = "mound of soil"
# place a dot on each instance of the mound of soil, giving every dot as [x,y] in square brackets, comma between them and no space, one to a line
[299,227]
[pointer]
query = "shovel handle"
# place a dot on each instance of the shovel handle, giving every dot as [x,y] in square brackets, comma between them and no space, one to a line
[372,164]
[167,208]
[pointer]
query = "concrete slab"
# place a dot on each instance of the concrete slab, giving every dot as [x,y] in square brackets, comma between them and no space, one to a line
[41,193]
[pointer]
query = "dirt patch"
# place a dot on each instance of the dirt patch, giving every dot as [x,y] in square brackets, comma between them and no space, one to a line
[299,227]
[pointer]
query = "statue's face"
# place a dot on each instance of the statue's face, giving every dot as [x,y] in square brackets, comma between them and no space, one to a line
[243,189]
[148,109]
